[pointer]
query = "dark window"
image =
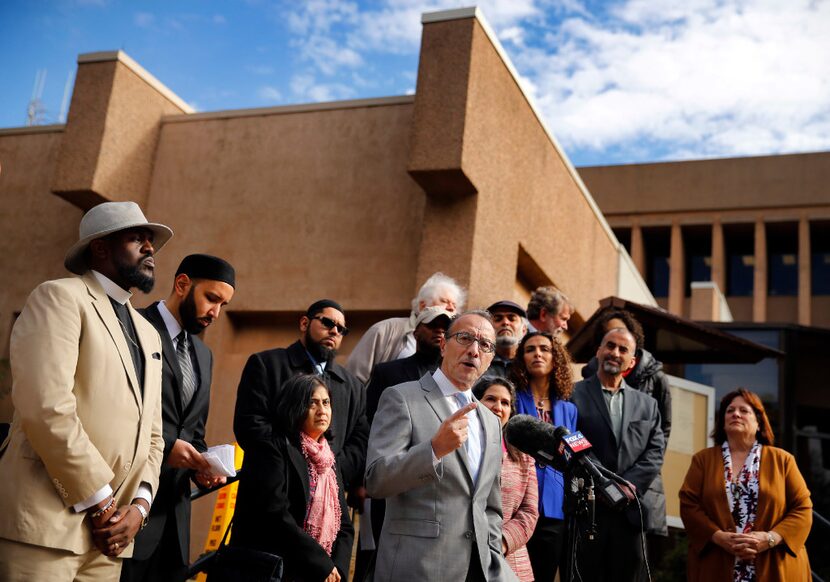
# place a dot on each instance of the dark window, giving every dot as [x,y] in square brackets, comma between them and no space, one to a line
[761,378]
[697,244]
[657,243]
[624,236]
[820,251]
[782,258]
[739,240]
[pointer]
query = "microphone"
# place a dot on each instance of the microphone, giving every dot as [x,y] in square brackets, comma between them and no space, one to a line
[535,438]
[562,450]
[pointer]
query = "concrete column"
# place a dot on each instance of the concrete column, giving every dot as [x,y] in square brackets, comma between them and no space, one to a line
[638,249]
[718,257]
[759,299]
[805,296]
[677,271]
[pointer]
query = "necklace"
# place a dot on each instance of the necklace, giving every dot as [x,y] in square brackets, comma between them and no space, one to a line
[127,334]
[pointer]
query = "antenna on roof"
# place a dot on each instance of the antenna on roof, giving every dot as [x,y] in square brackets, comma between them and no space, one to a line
[36,112]
[65,101]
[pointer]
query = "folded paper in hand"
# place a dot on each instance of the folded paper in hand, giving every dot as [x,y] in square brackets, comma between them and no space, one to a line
[221,459]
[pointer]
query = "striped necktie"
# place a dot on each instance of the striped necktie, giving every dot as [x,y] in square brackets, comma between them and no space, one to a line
[186,365]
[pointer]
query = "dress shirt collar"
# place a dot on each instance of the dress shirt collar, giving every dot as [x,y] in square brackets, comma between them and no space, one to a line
[174,328]
[112,290]
[622,387]
[447,387]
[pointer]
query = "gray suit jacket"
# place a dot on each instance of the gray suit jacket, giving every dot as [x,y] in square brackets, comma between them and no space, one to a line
[433,515]
[638,456]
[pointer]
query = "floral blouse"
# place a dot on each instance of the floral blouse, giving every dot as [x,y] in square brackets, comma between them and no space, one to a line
[742,496]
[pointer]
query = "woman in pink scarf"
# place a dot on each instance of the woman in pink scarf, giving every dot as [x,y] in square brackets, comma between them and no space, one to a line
[290,500]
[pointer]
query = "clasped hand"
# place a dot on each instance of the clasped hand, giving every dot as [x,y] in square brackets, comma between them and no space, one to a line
[742,545]
[112,533]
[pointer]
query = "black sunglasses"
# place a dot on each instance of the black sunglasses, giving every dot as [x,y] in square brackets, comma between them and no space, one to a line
[329,323]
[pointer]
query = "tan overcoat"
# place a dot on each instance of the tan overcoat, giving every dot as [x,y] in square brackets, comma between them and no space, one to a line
[784,505]
[80,418]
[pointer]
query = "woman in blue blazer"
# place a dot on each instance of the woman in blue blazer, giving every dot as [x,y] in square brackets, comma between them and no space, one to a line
[542,374]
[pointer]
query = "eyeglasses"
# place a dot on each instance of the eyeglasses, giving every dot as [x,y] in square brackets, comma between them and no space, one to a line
[467,339]
[329,323]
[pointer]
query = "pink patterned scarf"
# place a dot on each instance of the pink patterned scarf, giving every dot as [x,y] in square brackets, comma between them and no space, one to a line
[322,520]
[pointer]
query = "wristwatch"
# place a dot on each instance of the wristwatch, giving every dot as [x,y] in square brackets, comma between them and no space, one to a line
[145,516]
[771,540]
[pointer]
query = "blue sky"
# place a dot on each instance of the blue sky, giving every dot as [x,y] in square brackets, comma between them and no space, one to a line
[618,81]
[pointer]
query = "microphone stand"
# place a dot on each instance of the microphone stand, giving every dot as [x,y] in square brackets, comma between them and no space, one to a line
[584,504]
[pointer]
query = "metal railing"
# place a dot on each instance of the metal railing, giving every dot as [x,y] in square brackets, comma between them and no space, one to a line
[202,563]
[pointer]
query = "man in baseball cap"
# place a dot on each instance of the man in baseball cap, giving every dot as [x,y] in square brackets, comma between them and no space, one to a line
[510,321]
[82,460]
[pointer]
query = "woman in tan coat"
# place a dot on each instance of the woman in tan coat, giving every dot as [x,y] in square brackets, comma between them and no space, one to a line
[745,506]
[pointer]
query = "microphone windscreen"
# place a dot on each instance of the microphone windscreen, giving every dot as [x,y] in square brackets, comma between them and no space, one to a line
[529,434]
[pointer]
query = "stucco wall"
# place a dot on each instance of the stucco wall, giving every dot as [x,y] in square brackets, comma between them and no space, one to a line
[723,184]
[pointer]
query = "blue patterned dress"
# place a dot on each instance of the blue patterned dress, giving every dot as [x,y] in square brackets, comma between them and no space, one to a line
[742,496]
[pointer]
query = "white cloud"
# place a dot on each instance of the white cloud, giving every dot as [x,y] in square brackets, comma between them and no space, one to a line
[703,77]
[306,87]
[270,94]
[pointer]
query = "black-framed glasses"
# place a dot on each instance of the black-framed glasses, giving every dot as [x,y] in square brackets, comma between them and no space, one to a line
[467,339]
[329,323]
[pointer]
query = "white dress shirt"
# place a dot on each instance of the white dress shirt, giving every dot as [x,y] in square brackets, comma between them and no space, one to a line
[475,430]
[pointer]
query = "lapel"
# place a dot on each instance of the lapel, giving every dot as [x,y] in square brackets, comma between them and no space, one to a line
[168,351]
[439,404]
[101,303]
[595,394]
[145,339]
[295,456]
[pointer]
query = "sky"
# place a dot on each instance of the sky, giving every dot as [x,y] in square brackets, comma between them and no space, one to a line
[617,81]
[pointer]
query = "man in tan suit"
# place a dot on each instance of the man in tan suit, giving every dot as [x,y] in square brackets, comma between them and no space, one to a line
[81,463]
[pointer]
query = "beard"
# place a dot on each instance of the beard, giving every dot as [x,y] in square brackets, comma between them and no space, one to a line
[612,368]
[187,311]
[134,277]
[429,350]
[319,352]
[506,341]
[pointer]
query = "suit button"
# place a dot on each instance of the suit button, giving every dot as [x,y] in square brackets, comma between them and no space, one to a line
[127,466]
[468,534]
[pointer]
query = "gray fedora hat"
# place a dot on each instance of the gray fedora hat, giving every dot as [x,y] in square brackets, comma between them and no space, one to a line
[107,218]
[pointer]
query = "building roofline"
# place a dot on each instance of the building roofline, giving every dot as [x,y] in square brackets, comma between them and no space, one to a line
[24,129]
[285,109]
[146,76]
[707,160]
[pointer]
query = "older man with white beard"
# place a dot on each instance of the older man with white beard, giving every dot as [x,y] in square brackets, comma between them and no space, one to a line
[510,321]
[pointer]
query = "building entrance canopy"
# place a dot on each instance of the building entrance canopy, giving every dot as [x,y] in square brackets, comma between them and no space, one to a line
[673,339]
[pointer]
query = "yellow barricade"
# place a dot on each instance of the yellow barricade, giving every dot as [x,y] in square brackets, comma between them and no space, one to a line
[222,513]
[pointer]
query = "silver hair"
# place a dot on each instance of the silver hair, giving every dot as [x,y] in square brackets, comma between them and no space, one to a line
[432,288]
[482,313]
[549,298]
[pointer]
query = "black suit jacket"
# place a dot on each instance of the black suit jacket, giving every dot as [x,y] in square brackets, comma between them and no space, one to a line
[396,372]
[172,500]
[262,378]
[638,456]
[271,508]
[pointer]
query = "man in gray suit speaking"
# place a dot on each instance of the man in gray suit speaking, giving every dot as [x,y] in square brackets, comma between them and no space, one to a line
[435,455]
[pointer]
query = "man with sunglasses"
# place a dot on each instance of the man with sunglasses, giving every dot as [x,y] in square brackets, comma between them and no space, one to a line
[322,328]
[435,456]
